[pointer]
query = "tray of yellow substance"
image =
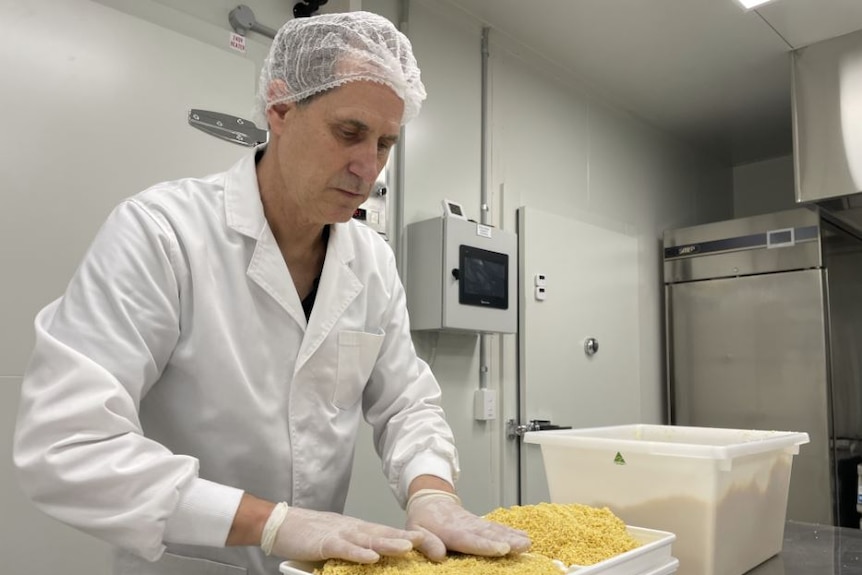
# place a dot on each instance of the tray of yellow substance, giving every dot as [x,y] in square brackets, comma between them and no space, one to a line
[588,540]
[567,538]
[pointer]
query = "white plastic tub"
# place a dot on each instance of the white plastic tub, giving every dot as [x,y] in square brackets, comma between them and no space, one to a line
[653,557]
[723,492]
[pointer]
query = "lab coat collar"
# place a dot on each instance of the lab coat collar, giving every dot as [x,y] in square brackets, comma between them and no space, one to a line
[244,214]
[242,204]
[244,208]
[339,285]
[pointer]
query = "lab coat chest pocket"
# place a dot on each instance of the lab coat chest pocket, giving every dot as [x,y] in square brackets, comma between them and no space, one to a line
[357,354]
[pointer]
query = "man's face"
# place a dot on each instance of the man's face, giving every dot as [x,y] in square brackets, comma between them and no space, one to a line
[331,150]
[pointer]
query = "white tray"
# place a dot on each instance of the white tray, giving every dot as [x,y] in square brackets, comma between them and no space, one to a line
[666,569]
[653,553]
[653,557]
[298,567]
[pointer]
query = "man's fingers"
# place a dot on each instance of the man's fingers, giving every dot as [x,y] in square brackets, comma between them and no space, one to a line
[386,532]
[432,547]
[391,547]
[518,540]
[519,544]
[380,539]
[478,545]
[338,548]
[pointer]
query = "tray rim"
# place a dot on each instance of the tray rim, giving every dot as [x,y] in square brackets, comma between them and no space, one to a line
[653,540]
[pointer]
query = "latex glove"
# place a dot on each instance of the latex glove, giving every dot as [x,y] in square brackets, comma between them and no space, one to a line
[306,535]
[447,525]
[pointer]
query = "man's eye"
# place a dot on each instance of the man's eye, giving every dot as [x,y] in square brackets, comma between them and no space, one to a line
[349,134]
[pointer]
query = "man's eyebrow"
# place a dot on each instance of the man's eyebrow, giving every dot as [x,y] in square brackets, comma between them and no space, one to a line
[362,127]
[356,125]
[390,140]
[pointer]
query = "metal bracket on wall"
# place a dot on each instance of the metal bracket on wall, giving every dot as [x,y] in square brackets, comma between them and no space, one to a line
[228,128]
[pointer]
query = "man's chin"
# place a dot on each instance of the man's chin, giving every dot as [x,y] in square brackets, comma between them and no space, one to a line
[341,217]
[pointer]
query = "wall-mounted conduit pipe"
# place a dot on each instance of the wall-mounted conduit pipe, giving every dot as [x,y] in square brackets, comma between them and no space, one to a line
[242,21]
[400,178]
[483,185]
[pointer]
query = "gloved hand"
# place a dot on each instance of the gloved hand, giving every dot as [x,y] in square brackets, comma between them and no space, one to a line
[306,535]
[447,525]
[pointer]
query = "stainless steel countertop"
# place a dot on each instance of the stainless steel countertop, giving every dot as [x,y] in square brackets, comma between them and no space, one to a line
[811,549]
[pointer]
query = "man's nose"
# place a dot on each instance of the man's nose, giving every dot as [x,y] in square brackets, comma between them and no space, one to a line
[365,163]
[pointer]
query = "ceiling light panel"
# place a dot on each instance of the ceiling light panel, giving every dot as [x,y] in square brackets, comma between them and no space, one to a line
[749,4]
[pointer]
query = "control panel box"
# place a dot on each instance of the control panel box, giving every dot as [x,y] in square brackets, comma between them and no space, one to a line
[461,276]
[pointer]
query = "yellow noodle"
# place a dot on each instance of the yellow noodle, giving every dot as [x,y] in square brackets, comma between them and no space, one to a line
[572,533]
[416,564]
[575,534]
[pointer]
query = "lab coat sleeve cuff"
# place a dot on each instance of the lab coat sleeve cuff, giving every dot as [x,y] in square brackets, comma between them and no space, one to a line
[204,514]
[426,463]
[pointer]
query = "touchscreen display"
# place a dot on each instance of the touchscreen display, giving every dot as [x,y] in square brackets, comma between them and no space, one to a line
[484,278]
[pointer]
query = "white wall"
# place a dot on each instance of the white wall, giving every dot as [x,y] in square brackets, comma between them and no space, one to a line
[95,105]
[763,187]
[554,147]
[562,151]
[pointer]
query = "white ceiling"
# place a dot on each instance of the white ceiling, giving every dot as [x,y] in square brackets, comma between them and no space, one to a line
[706,71]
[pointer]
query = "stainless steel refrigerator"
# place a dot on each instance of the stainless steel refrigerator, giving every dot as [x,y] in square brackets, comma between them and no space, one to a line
[764,331]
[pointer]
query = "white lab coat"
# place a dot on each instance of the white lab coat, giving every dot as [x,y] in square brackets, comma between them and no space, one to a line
[178,371]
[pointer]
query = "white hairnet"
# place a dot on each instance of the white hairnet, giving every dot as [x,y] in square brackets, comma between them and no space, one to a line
[310,55]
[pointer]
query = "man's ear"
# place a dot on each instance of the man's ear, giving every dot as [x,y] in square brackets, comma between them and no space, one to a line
[276,113]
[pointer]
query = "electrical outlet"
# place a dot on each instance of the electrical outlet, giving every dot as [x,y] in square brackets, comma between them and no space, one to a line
[485,404]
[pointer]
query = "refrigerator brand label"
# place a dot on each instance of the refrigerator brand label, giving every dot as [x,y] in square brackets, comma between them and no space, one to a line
[791,236]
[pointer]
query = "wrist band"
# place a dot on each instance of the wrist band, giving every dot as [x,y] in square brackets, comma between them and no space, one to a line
[270,529]
[422,493]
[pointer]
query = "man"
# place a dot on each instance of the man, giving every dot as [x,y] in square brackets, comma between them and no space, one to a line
[194,396]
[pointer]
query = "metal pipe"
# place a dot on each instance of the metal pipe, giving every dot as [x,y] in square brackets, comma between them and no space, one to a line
[483,185]
[242,20]
[497,439]
[484,163]
[398,197]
